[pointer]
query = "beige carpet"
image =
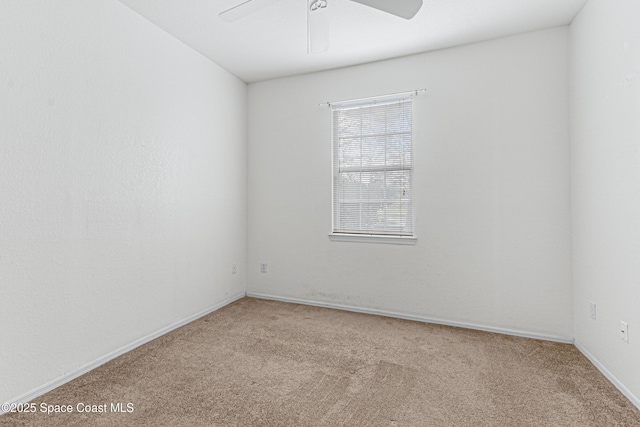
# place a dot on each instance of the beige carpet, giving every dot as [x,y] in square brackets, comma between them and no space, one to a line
[266,363]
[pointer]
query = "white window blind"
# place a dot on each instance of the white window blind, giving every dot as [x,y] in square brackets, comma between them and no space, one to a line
[373,167]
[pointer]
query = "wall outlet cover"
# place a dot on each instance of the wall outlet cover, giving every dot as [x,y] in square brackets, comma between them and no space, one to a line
[624,331]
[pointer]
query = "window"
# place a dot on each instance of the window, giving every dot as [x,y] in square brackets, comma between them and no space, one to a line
[373,168]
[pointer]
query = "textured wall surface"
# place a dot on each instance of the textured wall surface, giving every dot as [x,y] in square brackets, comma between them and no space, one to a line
[491,188]
[605,151]
[122,185]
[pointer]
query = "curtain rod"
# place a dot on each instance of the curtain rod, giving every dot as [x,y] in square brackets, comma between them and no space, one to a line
[411,92]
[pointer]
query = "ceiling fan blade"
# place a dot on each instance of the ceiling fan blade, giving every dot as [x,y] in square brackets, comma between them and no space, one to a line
[406,9]
[317,26]
[244,9]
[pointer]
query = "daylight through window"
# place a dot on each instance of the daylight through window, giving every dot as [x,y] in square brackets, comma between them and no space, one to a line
[373,167]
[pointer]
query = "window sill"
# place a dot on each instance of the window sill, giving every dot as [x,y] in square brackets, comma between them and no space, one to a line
[373,238]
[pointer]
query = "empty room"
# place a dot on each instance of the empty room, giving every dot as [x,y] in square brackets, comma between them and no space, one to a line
[320,212]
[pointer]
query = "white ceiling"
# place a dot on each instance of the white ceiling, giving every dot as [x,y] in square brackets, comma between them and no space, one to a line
[273,41]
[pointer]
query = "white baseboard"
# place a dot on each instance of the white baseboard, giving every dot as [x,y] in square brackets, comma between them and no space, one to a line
[624,390]
[424,319]
[39,391]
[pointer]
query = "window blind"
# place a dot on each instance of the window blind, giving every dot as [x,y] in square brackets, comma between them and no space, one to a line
[373,166]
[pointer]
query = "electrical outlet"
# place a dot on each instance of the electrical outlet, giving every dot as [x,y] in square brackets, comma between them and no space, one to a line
[592,310]
[234,269]
[263,267]
[624,331]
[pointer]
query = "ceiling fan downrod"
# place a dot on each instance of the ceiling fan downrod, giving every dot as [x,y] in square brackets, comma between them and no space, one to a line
[317,26]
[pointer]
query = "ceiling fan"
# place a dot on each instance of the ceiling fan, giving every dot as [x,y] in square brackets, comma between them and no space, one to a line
[317,19]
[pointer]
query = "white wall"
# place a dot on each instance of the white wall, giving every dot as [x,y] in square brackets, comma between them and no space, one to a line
[605,133]
[492,189]
[122,185]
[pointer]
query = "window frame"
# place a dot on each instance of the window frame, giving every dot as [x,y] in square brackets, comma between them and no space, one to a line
[371,236]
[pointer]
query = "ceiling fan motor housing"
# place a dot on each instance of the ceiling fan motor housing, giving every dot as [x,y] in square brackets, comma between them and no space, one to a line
[318,4]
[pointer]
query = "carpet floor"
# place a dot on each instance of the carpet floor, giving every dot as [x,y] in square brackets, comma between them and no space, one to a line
[267,363]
